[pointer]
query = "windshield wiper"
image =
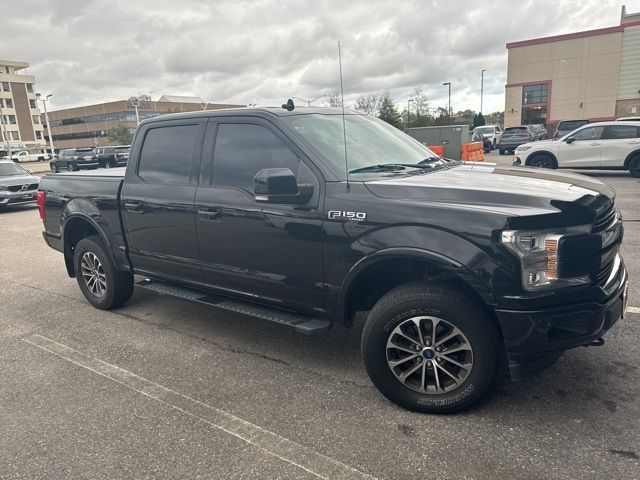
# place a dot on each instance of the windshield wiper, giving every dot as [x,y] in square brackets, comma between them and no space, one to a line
[385,167]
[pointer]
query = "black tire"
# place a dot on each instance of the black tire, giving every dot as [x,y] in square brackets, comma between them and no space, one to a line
[430,301]
[542,160]
[634,166]
[72,167]
[501,151]
[118,285]
[54,168]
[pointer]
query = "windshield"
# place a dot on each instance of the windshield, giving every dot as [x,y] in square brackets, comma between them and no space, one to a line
[484,130]
[370,142]
[9,169]
[572,125]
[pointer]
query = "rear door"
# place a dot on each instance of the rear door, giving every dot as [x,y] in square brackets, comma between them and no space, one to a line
[157,201]
[584,151]
[619,141]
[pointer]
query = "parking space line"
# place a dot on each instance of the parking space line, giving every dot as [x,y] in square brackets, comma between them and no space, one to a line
[269,442]
[633,309]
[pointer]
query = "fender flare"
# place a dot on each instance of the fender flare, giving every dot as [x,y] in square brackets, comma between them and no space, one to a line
[67,253]
[446,263]
[544,152]
[630,156]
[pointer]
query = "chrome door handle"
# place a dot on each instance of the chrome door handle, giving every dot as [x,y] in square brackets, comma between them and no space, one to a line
[209,214]
[595,144]
[133,207]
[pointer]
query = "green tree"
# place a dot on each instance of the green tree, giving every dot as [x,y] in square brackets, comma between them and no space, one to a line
[419,110]
[478,120]
[389,112]
[121,134]
[368,104]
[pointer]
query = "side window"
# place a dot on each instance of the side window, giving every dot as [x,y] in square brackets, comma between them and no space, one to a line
[591,133]
[242,150]
[617,132]
[167,153]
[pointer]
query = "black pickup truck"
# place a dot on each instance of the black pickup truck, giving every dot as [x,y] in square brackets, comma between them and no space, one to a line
[466,270]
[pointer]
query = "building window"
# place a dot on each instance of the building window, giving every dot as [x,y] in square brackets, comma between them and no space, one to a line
[36,119]
[9,102]
[15,135]
[32,103]
[30,87]
[10,119]
[6,69]
[5,87]
[534,93]
[38,135]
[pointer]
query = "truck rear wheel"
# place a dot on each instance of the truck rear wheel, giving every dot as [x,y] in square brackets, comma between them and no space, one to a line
[429,349]
[101,283]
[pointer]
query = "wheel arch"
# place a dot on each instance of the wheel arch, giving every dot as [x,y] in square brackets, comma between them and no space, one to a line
[375,275]
[635,153]
[76,227]
[542,152]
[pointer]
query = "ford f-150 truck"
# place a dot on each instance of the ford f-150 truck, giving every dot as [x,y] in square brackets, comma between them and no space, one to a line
[305,217]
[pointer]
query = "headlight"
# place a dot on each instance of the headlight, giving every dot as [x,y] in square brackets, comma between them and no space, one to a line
[539,256]
[522,148]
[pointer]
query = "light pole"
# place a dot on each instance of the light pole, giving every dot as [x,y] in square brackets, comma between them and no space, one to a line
[46,119]
[481,88]
[449,110]
[309,102]
[135,101]
[408,107]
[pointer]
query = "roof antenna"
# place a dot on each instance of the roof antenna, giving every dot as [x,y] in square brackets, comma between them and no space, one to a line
[289,105]
[344,125]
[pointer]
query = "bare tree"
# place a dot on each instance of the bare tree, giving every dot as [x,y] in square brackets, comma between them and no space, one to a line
[368,104]
[334,100]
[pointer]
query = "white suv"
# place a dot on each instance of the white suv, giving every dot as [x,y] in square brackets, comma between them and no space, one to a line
[603,145]
[492,132]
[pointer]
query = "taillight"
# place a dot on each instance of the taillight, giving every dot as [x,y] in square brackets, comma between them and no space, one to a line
[41,199]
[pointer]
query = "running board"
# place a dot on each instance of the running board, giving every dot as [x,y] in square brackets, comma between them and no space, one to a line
[301,323]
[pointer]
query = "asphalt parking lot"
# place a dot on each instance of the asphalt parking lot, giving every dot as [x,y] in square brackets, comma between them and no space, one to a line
[168,389]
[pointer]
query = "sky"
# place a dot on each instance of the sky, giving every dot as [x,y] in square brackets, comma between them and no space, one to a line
[265,51]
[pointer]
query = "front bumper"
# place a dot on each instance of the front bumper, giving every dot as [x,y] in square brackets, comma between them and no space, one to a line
[534,340]
[16,198]
[512,144]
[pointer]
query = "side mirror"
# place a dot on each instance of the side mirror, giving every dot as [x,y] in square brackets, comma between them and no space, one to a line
[570,139]
[279,185]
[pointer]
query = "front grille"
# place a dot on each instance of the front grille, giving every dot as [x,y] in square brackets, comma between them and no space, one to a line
[18,188]
[604,220]
[602,275]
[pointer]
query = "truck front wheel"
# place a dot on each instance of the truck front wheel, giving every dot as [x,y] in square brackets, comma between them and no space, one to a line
[429,349]
[101,283]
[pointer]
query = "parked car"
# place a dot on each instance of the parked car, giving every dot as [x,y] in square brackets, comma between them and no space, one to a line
[565,127]
[603,145]
[73,159]
[540,132]
[17,185]
[628,119]
[514,136]
[492,132]
[461,267]
[486,142]
[26,156]
[116,156]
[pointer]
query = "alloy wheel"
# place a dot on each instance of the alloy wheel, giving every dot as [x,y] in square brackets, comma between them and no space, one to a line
[429,355]
[93,274]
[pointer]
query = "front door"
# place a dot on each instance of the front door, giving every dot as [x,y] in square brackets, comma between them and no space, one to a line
[157,201]
[584,151]
[263,251]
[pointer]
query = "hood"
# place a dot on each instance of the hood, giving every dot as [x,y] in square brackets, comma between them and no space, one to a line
[18,180]
[517,191]
[547,144]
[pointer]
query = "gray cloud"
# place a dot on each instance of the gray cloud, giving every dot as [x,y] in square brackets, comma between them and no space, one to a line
[89,51]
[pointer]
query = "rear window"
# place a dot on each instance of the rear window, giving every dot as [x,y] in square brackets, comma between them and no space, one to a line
[572,124]
[515,129]
[167,153]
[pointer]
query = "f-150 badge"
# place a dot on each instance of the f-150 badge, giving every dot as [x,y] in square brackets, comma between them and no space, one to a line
[340,215]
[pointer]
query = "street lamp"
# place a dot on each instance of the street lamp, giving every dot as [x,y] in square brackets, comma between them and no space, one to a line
[135,101]
[408,106]
[481,88]
[46,118]
[309,102]
[449,110]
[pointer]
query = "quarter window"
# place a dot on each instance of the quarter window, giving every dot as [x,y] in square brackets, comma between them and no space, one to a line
[591,133]
[242,150]
[623,131]
[167,153]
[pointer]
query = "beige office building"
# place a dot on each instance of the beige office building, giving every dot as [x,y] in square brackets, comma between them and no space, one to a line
[21,120]
[591,75]
[89,126]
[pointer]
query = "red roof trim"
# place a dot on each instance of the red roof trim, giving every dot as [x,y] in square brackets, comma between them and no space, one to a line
[567,36]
